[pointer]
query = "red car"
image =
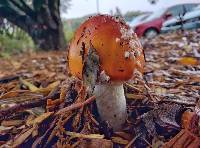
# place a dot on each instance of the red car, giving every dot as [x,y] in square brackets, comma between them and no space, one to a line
[151,26]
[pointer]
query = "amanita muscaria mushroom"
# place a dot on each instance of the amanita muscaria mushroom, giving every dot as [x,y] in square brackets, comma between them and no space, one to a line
[105,53]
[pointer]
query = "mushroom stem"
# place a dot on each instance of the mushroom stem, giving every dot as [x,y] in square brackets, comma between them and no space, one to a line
[111,104]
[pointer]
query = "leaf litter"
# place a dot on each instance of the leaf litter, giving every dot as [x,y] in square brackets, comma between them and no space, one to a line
[40,106]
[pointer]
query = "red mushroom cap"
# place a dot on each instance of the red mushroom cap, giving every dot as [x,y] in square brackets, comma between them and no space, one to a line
[117,46]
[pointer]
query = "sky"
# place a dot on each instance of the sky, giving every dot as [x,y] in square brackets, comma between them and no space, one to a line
[81,8]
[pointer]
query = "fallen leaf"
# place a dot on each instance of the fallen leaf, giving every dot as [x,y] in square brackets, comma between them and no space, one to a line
[160,91]
[124,135]
[119,140]
[32,87]
[95,143]
[157,143]
[4,129]
[46,90]
[49,88]
[12,94]
[8,123]
[39,119]
[181,139]
[16,64]
[22,137]
[90,136]
[134,96]
[188,61]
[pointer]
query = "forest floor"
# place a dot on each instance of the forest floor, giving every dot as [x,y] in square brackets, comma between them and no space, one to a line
[41,106]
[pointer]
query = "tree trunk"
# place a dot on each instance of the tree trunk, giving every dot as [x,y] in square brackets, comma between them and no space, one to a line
[42,22]
[47,38]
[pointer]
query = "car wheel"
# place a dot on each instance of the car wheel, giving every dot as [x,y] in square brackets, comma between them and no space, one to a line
[150,33]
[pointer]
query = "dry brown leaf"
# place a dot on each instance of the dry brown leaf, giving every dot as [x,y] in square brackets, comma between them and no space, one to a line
[95,143]
[183,139]
[124,135]
[160,91]
[39,119]
[16,64]
[32,87]
[119,140]
[12,94]
[188,61]
[49,88]
[8,123]
[134,96]
[5,129]
[76,120]
[22,137]
[156,143]
[78,135]
[35,89]
[132,141]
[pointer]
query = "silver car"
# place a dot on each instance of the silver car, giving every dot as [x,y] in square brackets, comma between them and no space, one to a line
[190,20]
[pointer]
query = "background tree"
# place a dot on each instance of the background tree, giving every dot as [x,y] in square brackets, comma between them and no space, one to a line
[39,18]
[118,12]
[153,1]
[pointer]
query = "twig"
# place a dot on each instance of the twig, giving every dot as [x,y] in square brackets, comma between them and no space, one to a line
[78,135]
[148,89]
[8,79]
[4,113]
[12,94]
[133,87]
[178,101]
[147,143]
[40,140]
[20,107]
[132,141]
[76,106]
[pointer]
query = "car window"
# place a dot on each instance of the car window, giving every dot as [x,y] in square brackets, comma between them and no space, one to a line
[189,7]
[196,8]
[156,14]
[138,19]
[176,10]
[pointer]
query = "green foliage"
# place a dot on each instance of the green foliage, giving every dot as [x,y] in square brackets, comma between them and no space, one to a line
[18,42]
[68,31]
[69,34]
[37,18]
[70,26]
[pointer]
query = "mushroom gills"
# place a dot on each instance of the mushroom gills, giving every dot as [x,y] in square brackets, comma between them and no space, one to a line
[111,104]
